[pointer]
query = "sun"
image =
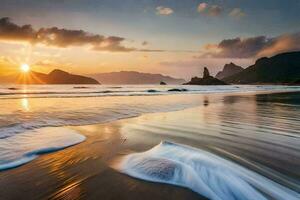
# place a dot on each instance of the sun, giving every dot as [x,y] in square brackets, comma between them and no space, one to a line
[25,68]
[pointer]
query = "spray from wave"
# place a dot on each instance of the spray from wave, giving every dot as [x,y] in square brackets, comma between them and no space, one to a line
[205,173]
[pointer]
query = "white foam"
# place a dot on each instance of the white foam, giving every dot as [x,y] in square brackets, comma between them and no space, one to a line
[205,173]
[25,147]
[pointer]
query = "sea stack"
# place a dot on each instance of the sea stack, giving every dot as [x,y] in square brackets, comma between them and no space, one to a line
[206,73]
[206,80]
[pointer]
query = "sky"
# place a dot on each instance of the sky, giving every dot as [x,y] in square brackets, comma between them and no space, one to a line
[171,37]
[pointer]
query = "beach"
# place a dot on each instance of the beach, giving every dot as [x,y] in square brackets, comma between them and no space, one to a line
[149,100]
[83,172]
[258,132]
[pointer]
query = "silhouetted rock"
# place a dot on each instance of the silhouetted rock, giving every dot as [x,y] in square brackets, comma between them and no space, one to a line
[280,69]
[296,82]
[229,70]
[177,90]
[162,83]
[206,80]
[152,91]
[56,77]
[81,87]
[13,88]
[206,73]
[132,77]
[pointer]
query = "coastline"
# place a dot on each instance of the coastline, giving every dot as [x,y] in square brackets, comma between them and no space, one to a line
[83,171]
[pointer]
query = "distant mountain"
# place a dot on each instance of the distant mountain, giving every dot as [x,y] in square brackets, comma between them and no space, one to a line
[54,77]
[229,70]
[280,69]
[132,77]
[206,80]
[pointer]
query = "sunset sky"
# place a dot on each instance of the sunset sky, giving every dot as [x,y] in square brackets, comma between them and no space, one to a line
[172,37]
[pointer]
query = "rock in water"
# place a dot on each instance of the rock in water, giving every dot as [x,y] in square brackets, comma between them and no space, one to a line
[206,80]
[206,73]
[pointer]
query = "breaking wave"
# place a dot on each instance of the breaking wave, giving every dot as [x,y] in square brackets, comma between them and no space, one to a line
[205,173]
[25,147]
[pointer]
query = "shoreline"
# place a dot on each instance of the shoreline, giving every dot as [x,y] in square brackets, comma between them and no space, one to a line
[78,171]
[6,96]
[83,172]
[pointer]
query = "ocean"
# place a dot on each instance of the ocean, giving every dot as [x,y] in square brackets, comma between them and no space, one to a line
[257,128]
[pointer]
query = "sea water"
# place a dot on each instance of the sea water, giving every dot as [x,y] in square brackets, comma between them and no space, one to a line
[240,120]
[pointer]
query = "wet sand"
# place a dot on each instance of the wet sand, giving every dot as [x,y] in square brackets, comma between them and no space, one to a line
[83,172]
[259,132]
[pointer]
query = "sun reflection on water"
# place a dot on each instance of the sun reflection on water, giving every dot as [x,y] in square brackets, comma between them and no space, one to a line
[25,104]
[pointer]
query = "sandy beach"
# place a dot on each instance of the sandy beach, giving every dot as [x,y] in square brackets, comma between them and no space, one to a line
[84,171]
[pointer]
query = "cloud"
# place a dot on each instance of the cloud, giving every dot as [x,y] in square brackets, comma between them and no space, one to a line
[11,31]
[57,37]
[154,50]
[215,10]
[202,7]
[160,10]
[63,38]
[252,47]
[237,13]
[6,60]
[210,10]
[280,44]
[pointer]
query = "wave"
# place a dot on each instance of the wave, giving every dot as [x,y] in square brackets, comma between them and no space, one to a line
[25,147]
[205,173]
[47,91]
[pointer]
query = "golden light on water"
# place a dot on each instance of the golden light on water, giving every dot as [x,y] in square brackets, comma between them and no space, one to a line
[25,68]
[25,104]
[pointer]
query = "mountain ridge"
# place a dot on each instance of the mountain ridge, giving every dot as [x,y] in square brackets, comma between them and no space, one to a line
[282,68]
[56,76]
[229,70]
[134,77]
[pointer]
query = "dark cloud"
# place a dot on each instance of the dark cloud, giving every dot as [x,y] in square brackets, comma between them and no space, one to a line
[252,47]
[11,31]
[243,48]
[57,37]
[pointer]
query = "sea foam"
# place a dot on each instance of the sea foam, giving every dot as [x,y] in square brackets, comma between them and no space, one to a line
[205,173]
[25,147]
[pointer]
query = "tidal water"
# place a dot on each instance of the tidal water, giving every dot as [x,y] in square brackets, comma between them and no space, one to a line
[231,147]
[249,134]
